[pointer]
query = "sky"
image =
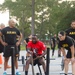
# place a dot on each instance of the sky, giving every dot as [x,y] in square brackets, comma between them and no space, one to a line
[1,1]
[4,17]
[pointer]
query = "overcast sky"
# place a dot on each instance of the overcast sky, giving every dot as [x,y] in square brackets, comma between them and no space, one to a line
[4,17]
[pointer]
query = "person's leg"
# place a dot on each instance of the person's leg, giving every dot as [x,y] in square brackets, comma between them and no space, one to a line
[19,51]
[6,55]
[8,66]
[27,66]
[16,60]
[1,50]
[16,65]
[66,65]
[73,67]
[42,62]
[53,49]
[5,64]
[59,52]
[27,55]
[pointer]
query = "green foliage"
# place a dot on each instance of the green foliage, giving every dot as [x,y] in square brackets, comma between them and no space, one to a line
[50,15]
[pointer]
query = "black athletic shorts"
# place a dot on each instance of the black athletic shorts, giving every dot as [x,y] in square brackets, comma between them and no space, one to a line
[1,48]
[36,61]
[69,54]
[19,48]
[8,51]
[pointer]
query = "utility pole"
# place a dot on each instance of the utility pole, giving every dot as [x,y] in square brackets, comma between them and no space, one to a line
[33,17]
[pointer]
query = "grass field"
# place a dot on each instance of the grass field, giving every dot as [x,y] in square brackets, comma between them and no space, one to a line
[22,47]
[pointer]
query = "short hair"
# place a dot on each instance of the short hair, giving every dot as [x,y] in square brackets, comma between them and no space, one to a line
[2,24]
[62,33]
[73,21]
[34,36]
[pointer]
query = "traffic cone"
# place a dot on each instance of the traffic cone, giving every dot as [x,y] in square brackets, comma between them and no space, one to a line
[1,59]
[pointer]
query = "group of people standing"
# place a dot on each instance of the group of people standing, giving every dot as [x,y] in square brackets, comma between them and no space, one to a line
[66,41]
[8,39]
[34,47]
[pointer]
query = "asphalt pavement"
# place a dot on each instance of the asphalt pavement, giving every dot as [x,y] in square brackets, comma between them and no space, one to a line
[54,66]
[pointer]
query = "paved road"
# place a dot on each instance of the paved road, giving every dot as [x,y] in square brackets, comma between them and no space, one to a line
[54,67]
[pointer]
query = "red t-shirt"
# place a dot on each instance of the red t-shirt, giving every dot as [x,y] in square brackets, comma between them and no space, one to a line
[37,48]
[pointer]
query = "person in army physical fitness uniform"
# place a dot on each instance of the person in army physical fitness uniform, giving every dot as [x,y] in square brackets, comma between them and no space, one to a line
[10,33]
[59,50]
[1,46]
[53,44]
[67,43]
[71,31]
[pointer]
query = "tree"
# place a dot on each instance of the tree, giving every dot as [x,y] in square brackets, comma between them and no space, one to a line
[49,15]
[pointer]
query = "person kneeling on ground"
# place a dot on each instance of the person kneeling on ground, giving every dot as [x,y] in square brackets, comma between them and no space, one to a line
[35,48]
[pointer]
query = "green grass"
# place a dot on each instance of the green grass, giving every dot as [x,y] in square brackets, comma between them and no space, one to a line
[22,47]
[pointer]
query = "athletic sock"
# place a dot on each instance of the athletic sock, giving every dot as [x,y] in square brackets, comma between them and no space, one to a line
[5,71]
[17,70]
[26,72]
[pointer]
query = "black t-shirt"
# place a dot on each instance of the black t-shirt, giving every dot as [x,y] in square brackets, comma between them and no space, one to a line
[53,40]
[71,32]
[67,43]
[10,35]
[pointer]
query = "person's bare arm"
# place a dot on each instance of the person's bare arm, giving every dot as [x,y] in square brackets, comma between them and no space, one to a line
[63,52]
[4,43]
[20,38]
[29,51]
[25,42]
[44,53]
[72,51]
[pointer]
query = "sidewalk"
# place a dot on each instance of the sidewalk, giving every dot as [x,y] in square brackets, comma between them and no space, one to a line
[55,66]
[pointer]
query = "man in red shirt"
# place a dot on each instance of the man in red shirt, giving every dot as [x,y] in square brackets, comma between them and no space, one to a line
[37,49]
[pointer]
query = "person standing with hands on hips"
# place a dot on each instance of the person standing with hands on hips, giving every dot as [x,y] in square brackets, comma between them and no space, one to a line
[10,33]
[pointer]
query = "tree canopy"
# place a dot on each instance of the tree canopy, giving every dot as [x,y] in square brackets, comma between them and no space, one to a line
[51,16]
